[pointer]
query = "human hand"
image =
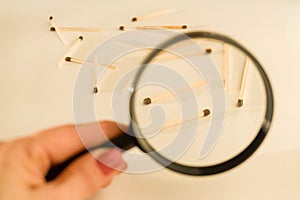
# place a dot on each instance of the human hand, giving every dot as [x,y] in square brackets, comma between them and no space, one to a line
[25,162]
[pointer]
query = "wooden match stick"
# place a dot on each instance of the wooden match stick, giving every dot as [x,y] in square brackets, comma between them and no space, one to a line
[80,61]
[95,89]
[166,95]
[203,113]
[208,50]
[162,27]
[226,67]
[240,101]
[54,27]
[73,47]
[123,28]
[153,15]
[169,57]
[76,29]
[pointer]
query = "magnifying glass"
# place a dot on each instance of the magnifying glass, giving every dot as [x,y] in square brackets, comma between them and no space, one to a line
[200,104]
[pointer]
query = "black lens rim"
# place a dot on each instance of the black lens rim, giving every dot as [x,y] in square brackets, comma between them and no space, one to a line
[232,162]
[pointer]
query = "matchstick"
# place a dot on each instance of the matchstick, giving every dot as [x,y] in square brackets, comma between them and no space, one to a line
[80,61]
[208,51]
[240,101]
[163,27]
[123,28]
[153,15]
[95,89]
[56,29]
[203,113]
[226,67]
[169,57]
[166,95]
[76,29]
[73,47]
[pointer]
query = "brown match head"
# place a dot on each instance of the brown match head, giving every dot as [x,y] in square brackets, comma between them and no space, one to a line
[95,90]
[50,18]
[147,101]
[184,26]
[240,102]
[121,28]
[134,19]
[206,112]
[52,28]
[68,59]
[208,51]
[80,37]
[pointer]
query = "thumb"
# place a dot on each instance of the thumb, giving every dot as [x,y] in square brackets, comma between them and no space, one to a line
[86,175]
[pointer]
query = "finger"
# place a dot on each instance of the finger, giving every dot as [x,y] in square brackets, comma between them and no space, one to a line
[87,175]
[2,144]
[63,142]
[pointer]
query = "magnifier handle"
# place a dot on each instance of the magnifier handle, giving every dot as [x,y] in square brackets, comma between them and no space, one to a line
[124,142]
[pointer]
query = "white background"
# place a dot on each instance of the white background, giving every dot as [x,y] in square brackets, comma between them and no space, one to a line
[35,94]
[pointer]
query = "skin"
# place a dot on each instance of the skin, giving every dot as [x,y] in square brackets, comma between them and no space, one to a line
[24,163]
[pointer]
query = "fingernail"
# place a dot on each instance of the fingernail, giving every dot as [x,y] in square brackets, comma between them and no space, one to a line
[111,161]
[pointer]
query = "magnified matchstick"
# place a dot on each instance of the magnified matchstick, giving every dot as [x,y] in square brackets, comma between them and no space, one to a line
[208,51]
[226,67]
[56,29]
[80,61]
[203,113]
[123,28]
[73,47]
[77,29]
[170,57]
[153,15]
[147,101]
[240,101]
[166,95]
[95,90]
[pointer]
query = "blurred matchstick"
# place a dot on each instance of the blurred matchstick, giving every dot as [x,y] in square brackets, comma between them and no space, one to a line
[166,95]
[203,113]
[240,101]
[53,25]
[153,15]
[73,47]
[123,28]
[226,67]
[80,61]
[76,29]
